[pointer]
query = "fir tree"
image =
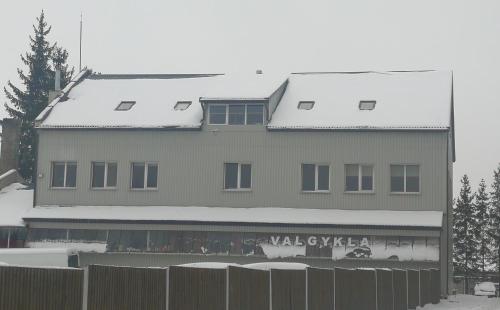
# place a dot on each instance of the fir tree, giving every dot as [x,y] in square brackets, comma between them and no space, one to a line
[480,227]
[464,244]
[27,102]
[494,214]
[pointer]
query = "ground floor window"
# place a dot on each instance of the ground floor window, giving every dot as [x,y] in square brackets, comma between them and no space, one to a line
[13,237]
[266,245]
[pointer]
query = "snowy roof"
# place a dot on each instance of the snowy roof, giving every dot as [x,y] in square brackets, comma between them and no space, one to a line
[277,265]
[92,102]
[15,200]
[291,216]
[404,100]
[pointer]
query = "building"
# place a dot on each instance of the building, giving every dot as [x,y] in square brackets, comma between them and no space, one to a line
[329,169]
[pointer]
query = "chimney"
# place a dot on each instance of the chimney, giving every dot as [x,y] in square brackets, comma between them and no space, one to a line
[11,132]
[57,86]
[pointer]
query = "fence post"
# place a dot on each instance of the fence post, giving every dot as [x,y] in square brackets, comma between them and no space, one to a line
[307,288]
[270,290]
[167,285]
[85,293]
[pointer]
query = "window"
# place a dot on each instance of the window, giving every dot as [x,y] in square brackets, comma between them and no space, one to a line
[237,176]
[358,178]
[182,105]
[104,175]
[127,241]
[367,104]
[305,105]
[405,178]
[125,106]
[315,178]
[236,114]
[144,175]
[63,175]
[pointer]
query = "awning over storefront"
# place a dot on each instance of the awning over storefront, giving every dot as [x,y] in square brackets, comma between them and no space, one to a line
[238,216]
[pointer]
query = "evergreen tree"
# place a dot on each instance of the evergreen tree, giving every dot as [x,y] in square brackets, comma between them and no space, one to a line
[494,214]
[464,244]
[27,102]
[480,227]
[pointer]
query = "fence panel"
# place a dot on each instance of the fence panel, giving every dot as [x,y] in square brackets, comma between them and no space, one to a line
[320,289]
[345,292]
[425,287]
[413,289]
[248,289]
[196,288]
[365,284]
[26,288]
[400,289]
[288,289]
[124,288]
[436,286]
[385,292]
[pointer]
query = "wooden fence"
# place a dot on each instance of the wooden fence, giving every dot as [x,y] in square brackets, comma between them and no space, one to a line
[232,288]
[23,288]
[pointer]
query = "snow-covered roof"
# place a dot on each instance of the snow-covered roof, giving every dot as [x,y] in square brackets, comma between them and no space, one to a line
[277,265]
[15,200]
[404,100]
[292,216]
[92,102]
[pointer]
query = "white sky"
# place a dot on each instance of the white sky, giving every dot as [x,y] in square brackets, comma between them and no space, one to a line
[176,36]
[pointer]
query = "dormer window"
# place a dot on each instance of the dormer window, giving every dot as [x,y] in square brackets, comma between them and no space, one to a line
[236,114]
[125,106]
[305,105]
[182,105]
[367,104]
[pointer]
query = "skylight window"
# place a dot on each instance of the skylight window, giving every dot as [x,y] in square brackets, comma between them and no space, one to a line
[182,105]
[305,105]
[367,104]
[125,105]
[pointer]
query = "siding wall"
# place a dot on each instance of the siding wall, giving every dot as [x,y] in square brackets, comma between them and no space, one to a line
[191,166]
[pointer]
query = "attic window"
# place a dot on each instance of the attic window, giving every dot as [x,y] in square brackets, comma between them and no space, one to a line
[125,105]
[182,105]
[305,105]
[367,104]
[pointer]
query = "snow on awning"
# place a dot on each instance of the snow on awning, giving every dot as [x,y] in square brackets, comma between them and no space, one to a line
[15,200]
[239,216]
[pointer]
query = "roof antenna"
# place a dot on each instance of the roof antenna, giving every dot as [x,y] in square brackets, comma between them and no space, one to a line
[81,26]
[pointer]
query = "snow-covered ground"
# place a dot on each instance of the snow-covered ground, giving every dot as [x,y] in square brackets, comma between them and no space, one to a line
[466,302]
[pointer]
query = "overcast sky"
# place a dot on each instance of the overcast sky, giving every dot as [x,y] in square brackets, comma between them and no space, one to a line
[176,36]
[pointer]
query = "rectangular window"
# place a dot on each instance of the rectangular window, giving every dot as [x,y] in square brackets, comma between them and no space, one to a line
[237,176]
[63,175]
[236,114]
[217,114]
[358,178]
[315,178]
[104,175]
[255,114]
[144,175]
[405,178]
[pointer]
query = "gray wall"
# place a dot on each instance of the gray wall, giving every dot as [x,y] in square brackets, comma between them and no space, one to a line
[191,166]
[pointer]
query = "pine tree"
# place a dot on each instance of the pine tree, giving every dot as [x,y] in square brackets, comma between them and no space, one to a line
[494,214]
[464,244]
[480,227]
[27,103]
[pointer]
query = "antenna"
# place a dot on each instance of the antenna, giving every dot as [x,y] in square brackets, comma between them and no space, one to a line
[81,26]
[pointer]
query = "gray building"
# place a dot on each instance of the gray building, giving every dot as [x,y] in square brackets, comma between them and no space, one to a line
[329,169]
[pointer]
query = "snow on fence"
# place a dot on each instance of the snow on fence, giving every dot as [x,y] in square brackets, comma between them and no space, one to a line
[210,288]
[26,288]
